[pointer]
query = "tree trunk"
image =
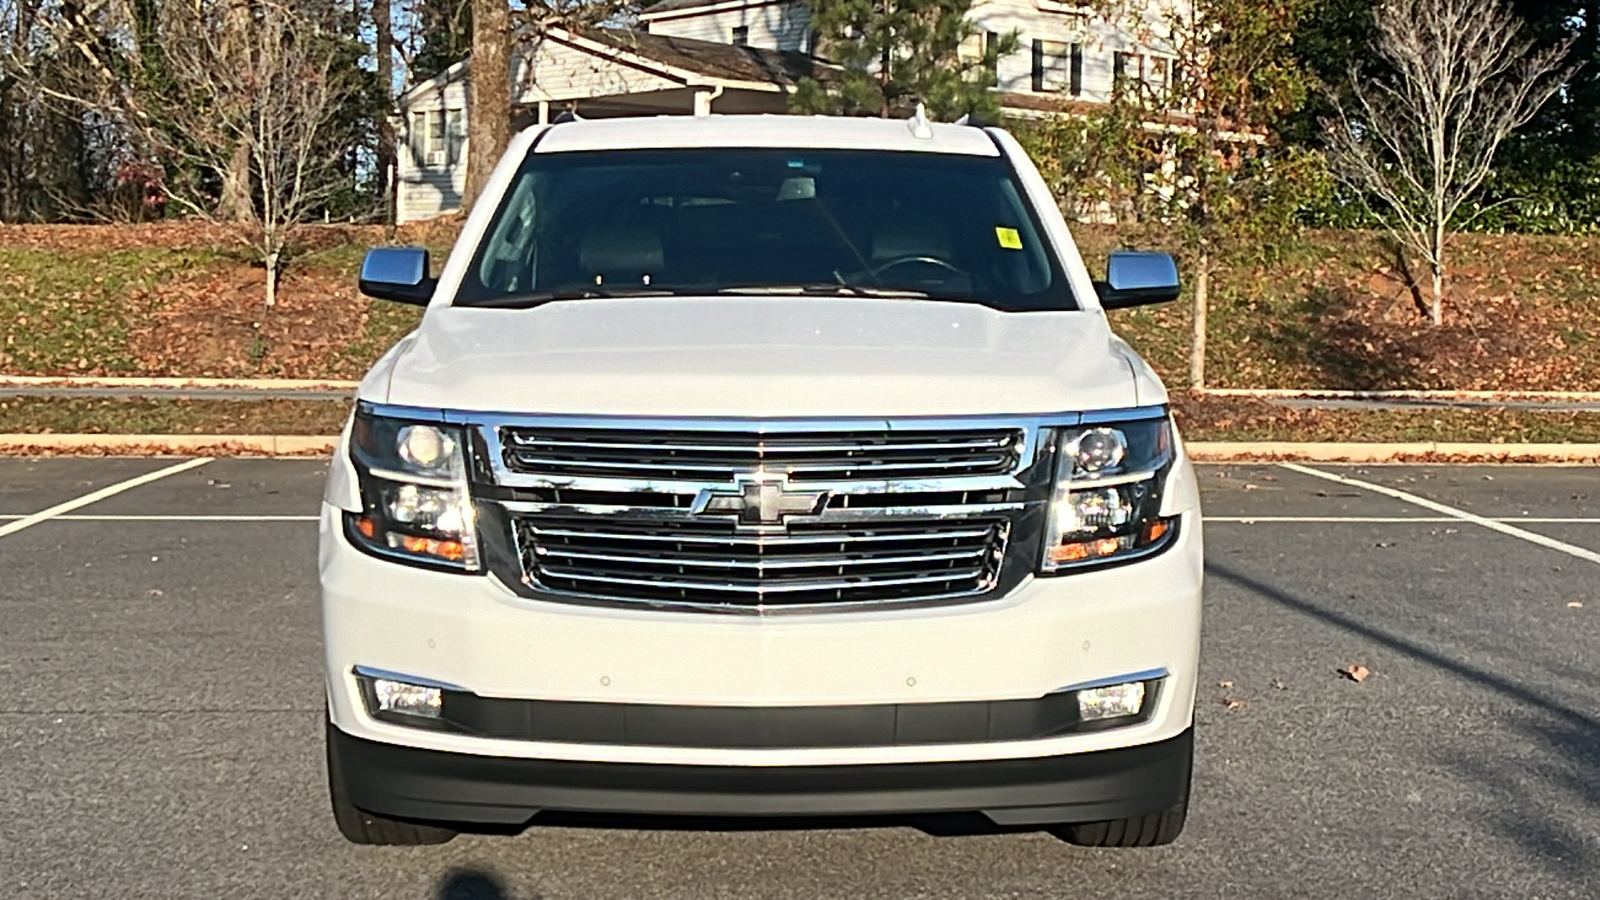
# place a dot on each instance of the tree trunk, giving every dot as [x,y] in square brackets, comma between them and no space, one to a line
[884,60]
[1197,335]
[489,113]
[383,52]
[1436,309]
[1436,267]
[234,203]
[272,278]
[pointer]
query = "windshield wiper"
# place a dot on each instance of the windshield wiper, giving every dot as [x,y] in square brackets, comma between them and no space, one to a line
[536,298]
[825,289]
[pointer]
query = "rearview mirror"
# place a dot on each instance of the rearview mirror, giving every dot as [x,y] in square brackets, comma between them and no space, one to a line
[1136,279]
[397,273]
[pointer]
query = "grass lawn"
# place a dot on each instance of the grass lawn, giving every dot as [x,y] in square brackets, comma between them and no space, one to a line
[49,415]
[1328,310]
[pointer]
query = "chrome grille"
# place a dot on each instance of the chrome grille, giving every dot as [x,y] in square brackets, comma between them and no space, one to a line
[712,564]
[714,456]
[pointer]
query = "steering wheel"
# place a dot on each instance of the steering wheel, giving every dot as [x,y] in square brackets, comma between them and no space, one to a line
[918,260]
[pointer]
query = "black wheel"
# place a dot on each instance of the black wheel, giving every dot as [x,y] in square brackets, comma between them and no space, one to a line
[360,827]
[1152,830]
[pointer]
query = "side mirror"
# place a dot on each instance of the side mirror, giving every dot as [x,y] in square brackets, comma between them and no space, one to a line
[1137,279]
[397,273]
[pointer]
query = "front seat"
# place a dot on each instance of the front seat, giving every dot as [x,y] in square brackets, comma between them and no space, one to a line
[626,251]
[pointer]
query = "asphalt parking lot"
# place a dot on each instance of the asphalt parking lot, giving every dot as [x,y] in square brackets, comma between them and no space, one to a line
[161,709]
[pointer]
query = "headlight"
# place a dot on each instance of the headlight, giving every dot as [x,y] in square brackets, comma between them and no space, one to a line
[1106,504]
[415,498]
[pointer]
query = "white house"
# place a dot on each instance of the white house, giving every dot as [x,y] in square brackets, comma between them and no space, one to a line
[605,72]
[1068,52]
[743,56]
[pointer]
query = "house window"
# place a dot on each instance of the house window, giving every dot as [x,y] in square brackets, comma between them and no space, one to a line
[741,35]
[1125,67]
[1156,73]
[1057,67]
[429,141]
[455,134]
[417,138]
[991,47]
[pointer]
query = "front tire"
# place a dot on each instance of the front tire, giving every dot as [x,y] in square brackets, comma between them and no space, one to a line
[1150,830]
[359,827]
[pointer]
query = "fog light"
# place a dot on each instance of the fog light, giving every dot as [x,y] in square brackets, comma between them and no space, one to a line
[1110,702]
[411,699]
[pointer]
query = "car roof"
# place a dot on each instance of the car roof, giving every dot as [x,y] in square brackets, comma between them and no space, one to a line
[776,131]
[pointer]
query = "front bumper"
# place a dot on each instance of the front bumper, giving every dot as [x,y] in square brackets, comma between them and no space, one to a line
[1044,636]
[410,783]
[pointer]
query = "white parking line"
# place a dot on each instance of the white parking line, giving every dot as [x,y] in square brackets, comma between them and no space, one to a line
[1463,515]
[178,518]
[1394,520]
[95,496]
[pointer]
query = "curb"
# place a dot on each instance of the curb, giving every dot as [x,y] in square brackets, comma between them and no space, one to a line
[1202,451]
[236,384]
[1431,451]
[166,444]
[1317,394]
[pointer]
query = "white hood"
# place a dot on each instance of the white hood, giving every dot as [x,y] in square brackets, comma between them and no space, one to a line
[758,357]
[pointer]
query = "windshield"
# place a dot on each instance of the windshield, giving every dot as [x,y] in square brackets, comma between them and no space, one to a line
[764,221]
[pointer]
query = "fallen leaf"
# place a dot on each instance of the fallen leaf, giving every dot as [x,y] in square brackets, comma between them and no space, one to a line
[1232,703]
[1575,605]
[1279,685]
[1355,672]
[1224,684]
[156,592]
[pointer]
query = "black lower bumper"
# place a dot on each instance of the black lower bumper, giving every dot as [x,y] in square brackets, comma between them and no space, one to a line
[408,783]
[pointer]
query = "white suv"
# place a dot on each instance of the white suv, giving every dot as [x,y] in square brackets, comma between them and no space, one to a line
[762,466]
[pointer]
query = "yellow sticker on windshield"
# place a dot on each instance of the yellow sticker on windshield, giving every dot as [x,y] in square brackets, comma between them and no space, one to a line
[1009,237]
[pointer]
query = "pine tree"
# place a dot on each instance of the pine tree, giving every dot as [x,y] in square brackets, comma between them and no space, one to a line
[895,54]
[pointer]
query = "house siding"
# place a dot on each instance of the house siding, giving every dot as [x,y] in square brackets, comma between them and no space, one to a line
[1101,40]
[554,71]
[423,191]
[775,26]
[557,71]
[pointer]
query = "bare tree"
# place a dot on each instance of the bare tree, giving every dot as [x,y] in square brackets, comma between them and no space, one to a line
[1463,75]
[250,100]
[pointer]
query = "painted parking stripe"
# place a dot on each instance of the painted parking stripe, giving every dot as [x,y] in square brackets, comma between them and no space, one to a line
[1451,511]
[1392,520]
[177,518]
[61,509]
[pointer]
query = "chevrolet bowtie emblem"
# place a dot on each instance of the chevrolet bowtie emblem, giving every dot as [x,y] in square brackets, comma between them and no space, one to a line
[760,502]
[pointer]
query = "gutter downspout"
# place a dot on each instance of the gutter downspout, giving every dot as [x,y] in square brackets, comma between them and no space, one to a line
[703,98]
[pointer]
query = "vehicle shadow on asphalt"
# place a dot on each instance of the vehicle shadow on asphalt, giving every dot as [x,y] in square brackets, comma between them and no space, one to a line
[1561,759]
[472,884]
